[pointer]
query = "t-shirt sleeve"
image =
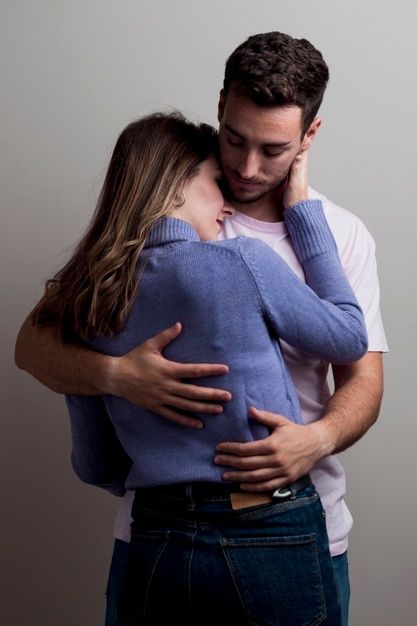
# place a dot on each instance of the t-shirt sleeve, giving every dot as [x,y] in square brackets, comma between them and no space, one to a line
[97,457]
[323,319]
[359,263]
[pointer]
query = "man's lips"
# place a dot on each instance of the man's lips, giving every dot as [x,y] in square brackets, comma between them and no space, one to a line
[244,184]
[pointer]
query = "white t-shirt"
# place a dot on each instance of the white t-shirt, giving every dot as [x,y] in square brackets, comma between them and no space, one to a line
[357,253]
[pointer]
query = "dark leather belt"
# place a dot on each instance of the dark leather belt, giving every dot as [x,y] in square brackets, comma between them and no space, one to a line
[201,490]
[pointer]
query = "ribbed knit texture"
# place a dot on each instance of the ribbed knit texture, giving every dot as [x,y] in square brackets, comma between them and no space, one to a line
[234,298]
[309,236]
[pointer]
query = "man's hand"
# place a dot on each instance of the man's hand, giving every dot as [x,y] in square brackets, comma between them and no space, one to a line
[291,449]
[288,453]
[145,377]
[142,376]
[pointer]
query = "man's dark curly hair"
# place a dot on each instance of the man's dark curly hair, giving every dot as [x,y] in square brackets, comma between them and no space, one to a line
[274,69]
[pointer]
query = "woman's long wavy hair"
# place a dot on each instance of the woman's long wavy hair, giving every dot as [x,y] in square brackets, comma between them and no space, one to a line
[153,160]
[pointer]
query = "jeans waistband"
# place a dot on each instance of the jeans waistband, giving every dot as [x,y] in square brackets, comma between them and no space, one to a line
[202,490]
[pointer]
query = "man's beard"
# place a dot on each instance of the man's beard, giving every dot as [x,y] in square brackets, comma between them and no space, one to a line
[258,196]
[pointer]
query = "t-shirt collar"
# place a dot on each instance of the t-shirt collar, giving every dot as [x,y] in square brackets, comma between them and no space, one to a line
[278,228]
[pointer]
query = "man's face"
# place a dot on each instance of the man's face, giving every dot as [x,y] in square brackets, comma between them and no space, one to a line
[257,146]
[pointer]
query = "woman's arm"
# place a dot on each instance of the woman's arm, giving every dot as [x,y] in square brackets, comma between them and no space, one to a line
[328,323]
[97,457]
[323,319]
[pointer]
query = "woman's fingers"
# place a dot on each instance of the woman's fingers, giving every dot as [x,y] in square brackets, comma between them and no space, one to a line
[297,185]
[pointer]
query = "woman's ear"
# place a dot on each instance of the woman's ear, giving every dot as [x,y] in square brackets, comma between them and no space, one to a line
[179,200]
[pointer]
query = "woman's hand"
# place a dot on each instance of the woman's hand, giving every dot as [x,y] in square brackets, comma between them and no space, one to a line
[297,185]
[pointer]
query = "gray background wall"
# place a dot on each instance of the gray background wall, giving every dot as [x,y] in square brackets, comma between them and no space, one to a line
[74,73]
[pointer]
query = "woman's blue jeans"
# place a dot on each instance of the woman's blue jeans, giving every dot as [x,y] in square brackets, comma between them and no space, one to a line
[119,563]
[195,560]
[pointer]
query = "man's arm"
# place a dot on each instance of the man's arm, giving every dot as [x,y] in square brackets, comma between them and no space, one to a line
[143,376]
[292,449]
[64,368]
[355,403]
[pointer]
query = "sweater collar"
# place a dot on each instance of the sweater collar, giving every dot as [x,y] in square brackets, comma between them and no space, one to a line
[170,230]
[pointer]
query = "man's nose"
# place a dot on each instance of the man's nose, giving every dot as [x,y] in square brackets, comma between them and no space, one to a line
[248,166]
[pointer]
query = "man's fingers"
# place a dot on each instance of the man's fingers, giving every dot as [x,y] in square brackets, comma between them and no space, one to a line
[183,370]
[162,339]
[197,370]
[200,394]
[194,407]
[251,448]
[267,485]
[177,418]
[245,463]
[253,476]
[272,420]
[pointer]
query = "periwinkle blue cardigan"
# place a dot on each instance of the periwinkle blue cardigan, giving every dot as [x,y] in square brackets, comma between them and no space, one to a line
[235,299]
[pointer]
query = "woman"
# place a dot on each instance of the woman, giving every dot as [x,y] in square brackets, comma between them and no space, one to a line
[150,258]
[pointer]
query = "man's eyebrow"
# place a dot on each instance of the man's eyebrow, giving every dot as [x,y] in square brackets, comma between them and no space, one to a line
[233,131]
[275,145]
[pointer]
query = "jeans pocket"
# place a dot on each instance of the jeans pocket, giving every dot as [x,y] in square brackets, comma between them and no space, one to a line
[145,551]
[278,579]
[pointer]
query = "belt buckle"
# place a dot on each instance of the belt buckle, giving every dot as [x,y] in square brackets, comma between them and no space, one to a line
[282,493]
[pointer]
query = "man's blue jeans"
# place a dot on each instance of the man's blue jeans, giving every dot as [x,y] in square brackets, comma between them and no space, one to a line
[341,570]
[267,564]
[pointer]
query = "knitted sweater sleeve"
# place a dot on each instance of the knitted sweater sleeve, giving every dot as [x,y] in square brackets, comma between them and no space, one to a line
[321,318]
[97,456]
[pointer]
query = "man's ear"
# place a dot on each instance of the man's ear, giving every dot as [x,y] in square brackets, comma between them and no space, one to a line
[220,107]
[310,134]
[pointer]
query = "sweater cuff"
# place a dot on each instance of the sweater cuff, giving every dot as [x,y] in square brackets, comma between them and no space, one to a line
[310,233]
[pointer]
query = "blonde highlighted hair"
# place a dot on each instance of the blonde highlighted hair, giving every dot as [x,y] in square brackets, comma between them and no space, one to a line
[153,159]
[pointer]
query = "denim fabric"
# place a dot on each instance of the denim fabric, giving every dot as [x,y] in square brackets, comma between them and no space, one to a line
[119,563]
[341,570]
[115,580]
[194,560]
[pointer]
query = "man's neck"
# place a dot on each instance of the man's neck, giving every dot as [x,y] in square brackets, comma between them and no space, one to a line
[268,209]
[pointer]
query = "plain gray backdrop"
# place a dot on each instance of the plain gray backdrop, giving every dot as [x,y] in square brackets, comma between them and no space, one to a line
[73,75]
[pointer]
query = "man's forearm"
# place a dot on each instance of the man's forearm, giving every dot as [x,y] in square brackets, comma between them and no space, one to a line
[63,367]
[142,376]
[354,406]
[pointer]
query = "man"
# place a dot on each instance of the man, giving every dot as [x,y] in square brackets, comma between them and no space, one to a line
[272,91]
